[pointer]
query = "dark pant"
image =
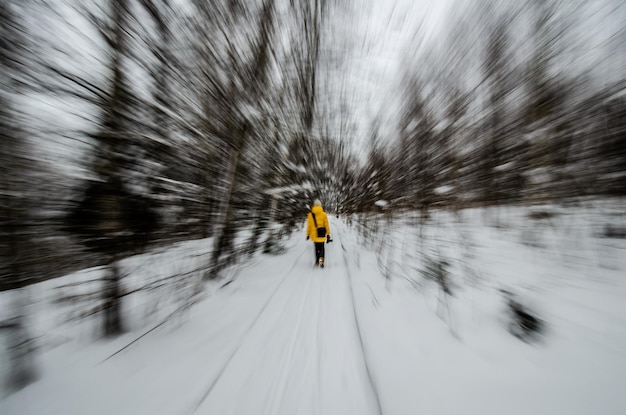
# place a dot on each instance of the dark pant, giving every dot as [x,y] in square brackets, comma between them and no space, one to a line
[319,250]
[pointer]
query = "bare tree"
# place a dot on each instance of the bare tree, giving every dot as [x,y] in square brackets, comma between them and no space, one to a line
[245,94]
[113,220]
[15,209]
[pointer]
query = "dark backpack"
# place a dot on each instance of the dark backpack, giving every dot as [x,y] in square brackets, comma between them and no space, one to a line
[321,231]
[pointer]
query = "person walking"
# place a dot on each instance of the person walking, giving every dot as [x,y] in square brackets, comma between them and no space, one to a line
[318,230]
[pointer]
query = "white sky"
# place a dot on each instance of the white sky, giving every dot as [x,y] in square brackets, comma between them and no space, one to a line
[385,33]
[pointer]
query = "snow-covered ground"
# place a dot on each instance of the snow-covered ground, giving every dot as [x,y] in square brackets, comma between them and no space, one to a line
[366,335]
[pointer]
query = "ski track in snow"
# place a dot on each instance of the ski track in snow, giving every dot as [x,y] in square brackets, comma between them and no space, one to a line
[348,275]
[296,319]
[228,361]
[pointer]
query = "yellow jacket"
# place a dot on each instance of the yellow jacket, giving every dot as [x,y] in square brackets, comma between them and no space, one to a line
[322,222]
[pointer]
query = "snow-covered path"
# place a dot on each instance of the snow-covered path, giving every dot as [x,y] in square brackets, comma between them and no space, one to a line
[286,338]
[300,350]
[282,338]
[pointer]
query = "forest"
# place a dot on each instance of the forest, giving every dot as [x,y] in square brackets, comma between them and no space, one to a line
[132,125]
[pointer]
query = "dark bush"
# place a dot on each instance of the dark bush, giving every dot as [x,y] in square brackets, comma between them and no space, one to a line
[523,322]
[614,231]
[541,215]
[109,219]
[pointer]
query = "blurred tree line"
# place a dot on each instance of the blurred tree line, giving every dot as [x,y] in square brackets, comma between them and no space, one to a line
[132,123]
[508,105]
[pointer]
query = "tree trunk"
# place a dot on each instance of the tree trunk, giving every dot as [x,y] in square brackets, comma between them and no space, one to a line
[221,234]
[113,324]
[20,345]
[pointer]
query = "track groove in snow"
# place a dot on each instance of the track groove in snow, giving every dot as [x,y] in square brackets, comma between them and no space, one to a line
[368,370]
[312,360]
[247,332]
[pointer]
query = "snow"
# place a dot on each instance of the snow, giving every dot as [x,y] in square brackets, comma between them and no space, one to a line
[441,190]
[365,335]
